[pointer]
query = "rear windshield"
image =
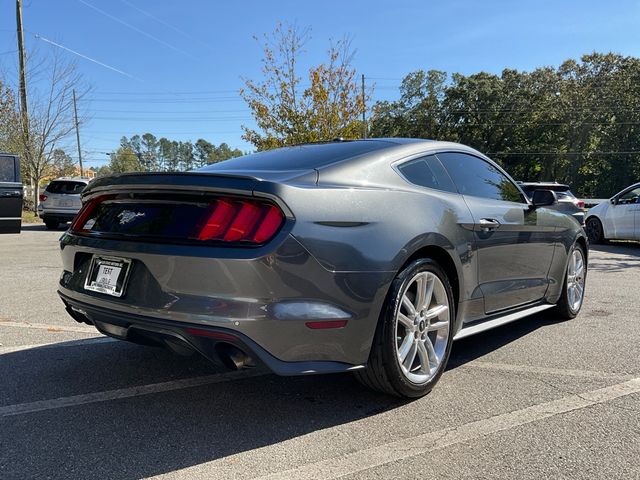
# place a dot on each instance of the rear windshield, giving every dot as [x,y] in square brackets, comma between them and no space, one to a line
[561,190]
[66,186]
[301,157]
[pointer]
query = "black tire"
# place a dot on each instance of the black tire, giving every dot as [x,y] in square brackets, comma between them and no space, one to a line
[563,309]
[383,372]
[594,230]
[51,224]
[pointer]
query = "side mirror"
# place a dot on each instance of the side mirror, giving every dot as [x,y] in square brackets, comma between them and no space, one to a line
[544,198]
[613,201]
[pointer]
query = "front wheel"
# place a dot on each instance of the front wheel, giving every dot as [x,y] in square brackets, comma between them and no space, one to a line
[575,279]
[414,335]
[594,229]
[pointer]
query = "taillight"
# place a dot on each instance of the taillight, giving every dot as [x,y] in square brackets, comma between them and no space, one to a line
[43,197]
[580,204]
[78,223]
[235,220]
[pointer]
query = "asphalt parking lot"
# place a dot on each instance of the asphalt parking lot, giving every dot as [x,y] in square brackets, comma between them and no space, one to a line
[537,398]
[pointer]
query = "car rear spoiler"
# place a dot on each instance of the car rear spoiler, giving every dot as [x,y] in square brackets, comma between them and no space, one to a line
[192,182]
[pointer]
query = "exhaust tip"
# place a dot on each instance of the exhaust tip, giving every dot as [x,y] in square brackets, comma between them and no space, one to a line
[232,357]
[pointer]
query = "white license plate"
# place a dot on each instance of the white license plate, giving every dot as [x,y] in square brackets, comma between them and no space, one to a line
[108,275]
[65,203]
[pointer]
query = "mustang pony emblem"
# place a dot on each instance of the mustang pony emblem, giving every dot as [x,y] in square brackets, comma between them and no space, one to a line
[127,216]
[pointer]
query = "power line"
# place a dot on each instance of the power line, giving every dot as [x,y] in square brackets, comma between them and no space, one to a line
[136,29]
[168,25]
[193,119]
[40,37]
[186,112]
[201,92]
[629,152]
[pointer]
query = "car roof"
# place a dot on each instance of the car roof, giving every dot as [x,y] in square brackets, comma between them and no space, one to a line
[549,185]
[71,179]
[308,156]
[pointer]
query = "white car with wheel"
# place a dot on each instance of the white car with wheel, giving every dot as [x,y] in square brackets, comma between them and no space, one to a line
[60,201]
[616,219]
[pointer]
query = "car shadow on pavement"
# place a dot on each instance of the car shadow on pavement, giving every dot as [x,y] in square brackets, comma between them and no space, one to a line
[627,256]
[479,345]
[147,435]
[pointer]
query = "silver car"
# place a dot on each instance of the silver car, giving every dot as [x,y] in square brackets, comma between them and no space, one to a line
[366,256]
[60,201]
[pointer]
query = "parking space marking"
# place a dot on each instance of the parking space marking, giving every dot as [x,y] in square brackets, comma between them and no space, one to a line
[75,400]
[44,326]
[368,458]
[563,372]
[70,343]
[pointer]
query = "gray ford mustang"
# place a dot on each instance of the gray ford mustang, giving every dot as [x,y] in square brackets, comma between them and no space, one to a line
[369,256]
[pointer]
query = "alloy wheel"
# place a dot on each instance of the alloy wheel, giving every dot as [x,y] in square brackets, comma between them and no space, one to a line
[575,279]
[422,327]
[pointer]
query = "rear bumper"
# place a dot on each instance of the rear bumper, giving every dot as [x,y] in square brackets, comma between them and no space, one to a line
[219,345]
[266,298]
[60,215]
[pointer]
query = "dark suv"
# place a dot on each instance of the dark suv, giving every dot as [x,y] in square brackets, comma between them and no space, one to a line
[10,194]
[567,201]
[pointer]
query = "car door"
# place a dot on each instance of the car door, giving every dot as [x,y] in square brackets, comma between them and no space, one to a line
[623,216]
[10,194]
[515,243]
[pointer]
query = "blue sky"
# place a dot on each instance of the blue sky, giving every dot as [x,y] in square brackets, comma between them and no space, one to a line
[188,57]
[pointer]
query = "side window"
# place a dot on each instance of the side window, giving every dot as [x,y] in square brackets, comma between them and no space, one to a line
[427,172]
[632,196]
[473,176]
[7,169]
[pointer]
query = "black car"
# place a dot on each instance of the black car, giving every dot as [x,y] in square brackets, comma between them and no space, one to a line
[10,194]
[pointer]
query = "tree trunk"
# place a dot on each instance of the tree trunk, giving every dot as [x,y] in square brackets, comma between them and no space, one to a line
[36,195]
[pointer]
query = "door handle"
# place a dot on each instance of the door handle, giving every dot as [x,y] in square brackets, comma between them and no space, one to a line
[488,224]
[12,194]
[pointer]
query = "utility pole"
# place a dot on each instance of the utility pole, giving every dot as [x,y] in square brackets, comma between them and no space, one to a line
[75,115]
[364,110]
[23,79]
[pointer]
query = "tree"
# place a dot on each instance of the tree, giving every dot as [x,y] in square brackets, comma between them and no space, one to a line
[124,160]
[286,113]
[578,123]
[149,157]
[203,151]
[52,82]
[62,164]
[9,130]
[223,152]
[186,159]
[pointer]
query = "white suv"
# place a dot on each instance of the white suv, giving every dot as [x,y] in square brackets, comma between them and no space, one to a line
[60,201]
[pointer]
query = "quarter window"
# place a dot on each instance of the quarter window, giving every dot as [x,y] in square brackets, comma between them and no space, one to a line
[476,177]
[427,172]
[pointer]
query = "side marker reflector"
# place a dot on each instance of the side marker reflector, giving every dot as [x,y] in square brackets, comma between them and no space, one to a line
[327,324]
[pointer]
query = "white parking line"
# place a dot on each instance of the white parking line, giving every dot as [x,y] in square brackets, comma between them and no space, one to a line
[71,343]
[563,372]
[44,326]
[75,400]
[410,447]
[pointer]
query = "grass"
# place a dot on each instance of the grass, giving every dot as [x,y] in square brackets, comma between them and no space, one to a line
[30,217]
